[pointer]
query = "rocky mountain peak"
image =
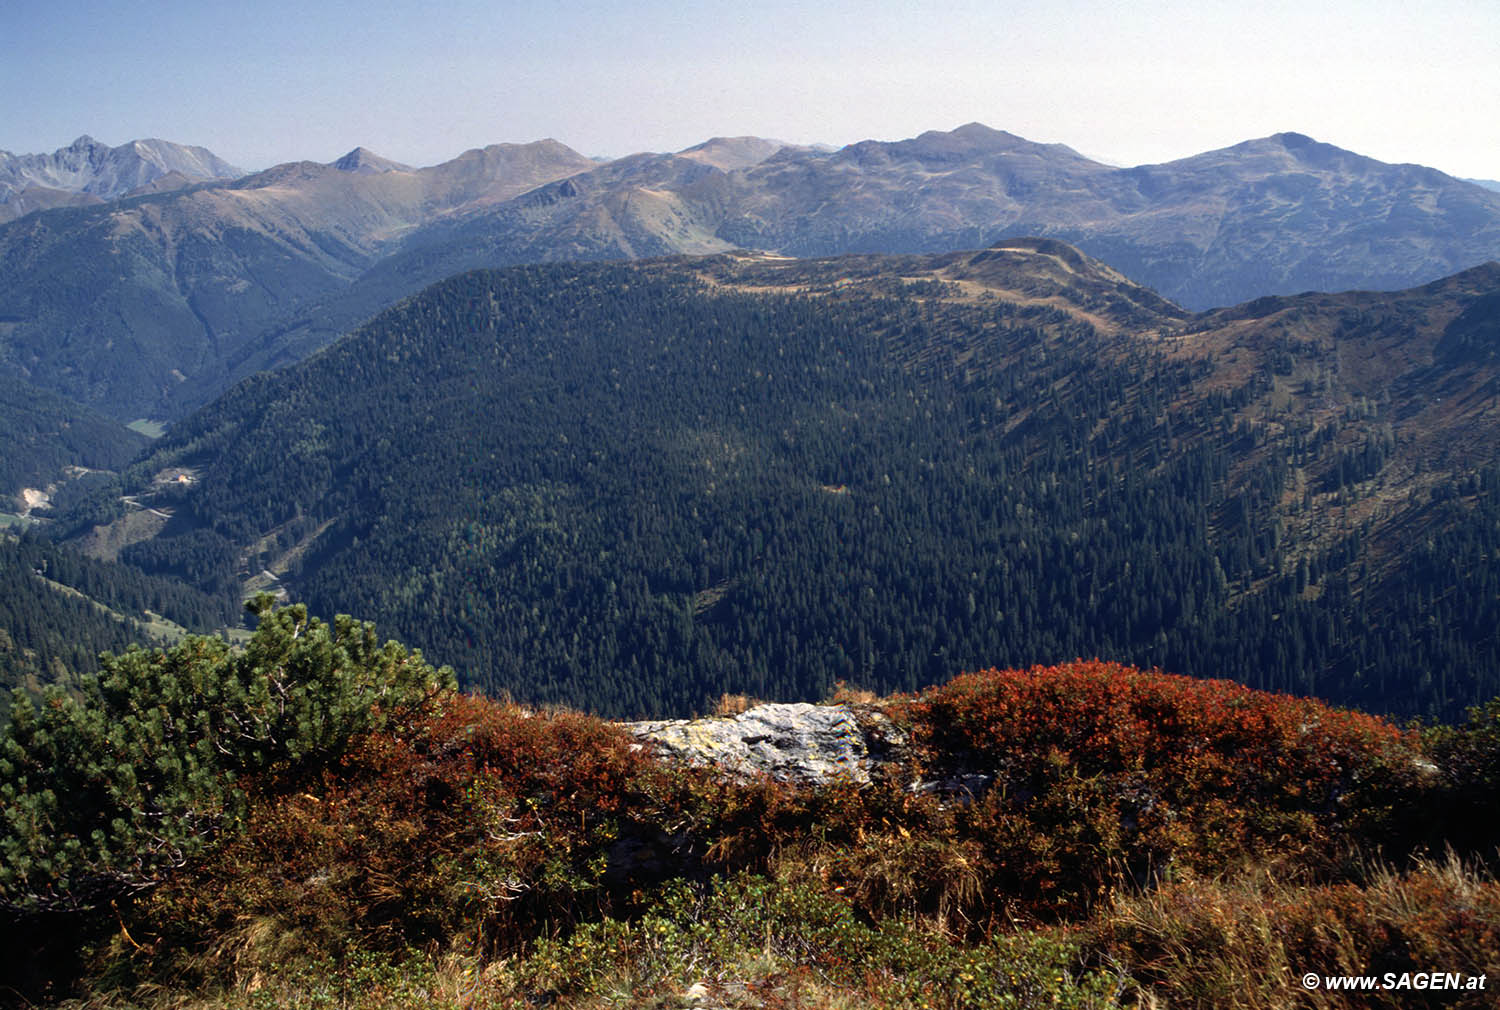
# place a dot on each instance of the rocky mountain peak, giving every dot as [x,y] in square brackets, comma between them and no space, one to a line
[89,167]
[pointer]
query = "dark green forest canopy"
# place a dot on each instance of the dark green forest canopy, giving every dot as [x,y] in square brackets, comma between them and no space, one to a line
[59,610]
[629,490]
[43,432]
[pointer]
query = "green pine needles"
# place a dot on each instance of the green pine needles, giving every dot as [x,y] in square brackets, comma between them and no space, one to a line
[103,793]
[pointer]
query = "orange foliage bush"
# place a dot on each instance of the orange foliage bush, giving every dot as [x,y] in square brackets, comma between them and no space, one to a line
[1104,773]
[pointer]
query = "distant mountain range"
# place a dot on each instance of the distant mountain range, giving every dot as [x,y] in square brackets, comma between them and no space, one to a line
[1273,216]
[153,303]
[87,172]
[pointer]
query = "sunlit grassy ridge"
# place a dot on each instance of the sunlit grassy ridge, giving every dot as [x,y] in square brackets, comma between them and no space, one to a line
[1119,838]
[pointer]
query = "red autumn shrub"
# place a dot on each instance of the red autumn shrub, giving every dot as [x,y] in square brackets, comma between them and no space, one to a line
[1101,773]
[1189,738]
[487,821]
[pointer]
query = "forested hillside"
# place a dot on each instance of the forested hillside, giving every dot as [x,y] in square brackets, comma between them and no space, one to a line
[633,488]
[59,610]
[43,433]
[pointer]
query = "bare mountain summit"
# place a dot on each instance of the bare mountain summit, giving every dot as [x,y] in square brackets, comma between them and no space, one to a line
[730,153]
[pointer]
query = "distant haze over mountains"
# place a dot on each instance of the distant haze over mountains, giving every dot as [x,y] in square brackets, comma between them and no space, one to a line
[148,306]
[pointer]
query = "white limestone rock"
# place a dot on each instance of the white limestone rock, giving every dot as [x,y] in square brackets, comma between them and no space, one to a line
[796,743]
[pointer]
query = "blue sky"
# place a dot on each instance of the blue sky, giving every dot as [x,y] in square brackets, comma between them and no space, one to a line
[1127,82]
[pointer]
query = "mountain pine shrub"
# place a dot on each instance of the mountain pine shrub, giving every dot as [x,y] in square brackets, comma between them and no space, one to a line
[105,792]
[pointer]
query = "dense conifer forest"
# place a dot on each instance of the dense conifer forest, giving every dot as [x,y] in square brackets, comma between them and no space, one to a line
[631,489]
[59,610]
[44,432]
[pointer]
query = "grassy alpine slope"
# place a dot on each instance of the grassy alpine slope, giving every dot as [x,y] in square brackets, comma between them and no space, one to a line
[345,830]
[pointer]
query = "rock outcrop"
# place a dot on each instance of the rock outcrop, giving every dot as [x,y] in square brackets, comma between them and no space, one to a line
[795,743]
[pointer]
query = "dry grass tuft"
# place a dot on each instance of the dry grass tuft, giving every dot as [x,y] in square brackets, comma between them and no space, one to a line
[844,694]
[734,704]
[1245,943]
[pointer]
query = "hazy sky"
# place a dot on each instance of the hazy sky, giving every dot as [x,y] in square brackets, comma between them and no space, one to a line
[1130,82]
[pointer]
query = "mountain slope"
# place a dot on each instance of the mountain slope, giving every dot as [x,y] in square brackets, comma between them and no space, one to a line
[937,192]
[636,487]
[1279,215]
[43,433]
[59,610]
[1286,214]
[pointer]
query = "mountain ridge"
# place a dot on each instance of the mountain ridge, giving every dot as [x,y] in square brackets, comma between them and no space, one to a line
[966,188]
[209,269]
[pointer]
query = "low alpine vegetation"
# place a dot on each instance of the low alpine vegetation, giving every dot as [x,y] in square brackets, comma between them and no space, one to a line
[322,820]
